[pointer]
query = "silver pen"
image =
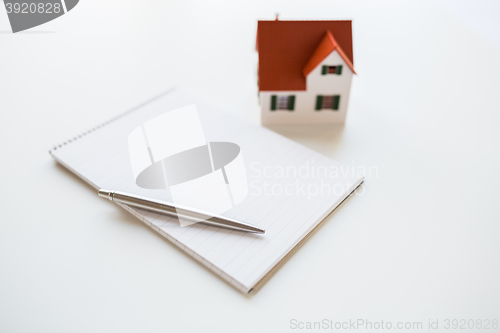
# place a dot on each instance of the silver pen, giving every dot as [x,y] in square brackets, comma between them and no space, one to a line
[189,214]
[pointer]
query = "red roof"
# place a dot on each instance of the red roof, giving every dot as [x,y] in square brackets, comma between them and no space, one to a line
[328,45]
[288,49]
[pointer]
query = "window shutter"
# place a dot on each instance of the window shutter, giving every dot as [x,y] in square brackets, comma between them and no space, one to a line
[319,101]
[273,102]
[291,102]
[338,70]
[336,101]
[324,70]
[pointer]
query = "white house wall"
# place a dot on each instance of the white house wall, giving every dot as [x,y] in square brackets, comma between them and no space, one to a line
[305,101]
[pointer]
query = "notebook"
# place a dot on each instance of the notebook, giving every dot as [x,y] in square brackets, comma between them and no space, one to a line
[282,187]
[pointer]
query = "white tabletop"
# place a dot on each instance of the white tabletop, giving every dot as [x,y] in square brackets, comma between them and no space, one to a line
[421,242]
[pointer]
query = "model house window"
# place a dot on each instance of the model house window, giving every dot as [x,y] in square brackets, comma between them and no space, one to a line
[282,102]
[327,102]
[331,70]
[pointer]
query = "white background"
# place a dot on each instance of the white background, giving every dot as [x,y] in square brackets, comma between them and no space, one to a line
[421,242]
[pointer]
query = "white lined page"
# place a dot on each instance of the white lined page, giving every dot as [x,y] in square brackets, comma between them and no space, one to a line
[242,258]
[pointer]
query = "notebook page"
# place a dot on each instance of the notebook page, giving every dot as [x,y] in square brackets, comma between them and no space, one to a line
[290,188]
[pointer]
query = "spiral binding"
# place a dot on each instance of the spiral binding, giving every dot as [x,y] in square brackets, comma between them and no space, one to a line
[95,128]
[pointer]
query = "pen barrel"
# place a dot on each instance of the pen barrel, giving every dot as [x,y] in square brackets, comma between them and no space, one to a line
[190,215]
[159,207]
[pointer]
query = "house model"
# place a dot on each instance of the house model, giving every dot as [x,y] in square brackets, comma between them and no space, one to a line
[305,71]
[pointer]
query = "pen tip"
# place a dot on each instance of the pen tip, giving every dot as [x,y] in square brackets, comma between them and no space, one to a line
[257,230]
